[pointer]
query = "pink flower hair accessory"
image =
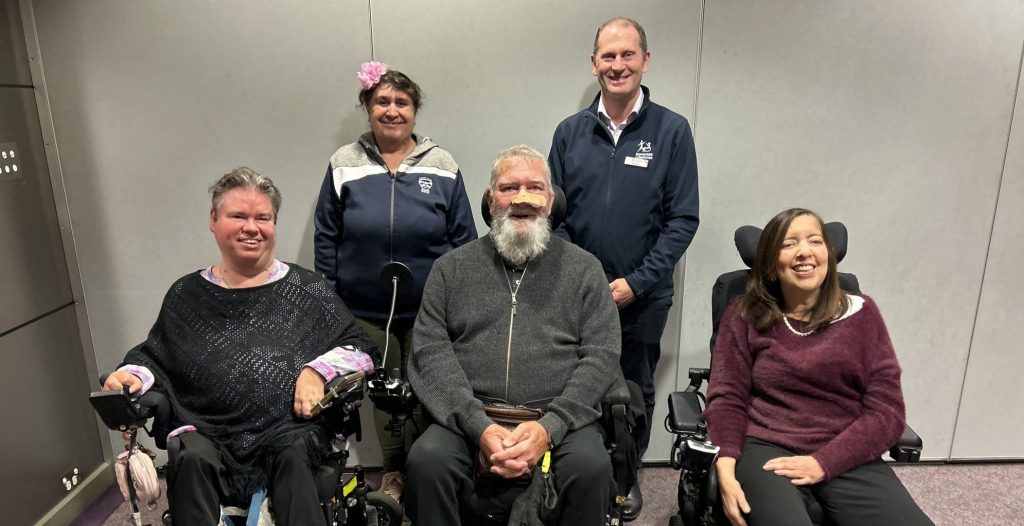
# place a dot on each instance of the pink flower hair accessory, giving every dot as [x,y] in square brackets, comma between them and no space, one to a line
[370,73]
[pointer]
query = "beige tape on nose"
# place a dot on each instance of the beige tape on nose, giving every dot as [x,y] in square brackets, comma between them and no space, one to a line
[526,198]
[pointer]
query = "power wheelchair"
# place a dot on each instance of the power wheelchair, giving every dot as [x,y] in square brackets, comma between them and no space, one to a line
[692,452]
[345,501]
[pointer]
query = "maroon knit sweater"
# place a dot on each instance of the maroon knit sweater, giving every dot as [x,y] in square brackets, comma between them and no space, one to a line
[834,395]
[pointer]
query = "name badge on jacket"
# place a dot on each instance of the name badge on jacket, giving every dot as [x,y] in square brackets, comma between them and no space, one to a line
[633,161]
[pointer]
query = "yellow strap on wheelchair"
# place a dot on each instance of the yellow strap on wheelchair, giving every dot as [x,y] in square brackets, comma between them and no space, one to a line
[545,463]
[349,486]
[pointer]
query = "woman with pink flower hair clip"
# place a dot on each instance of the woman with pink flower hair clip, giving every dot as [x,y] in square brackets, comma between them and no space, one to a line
[390,196]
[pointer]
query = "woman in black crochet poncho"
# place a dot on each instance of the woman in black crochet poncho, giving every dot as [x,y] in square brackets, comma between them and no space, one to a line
[243,348]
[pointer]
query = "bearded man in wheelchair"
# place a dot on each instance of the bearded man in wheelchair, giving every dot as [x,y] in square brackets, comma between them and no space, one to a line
[242,349]
[516,342]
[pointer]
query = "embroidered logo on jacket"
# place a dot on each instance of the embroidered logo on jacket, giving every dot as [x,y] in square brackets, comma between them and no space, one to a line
[643,150]
[643,155]
[426,184]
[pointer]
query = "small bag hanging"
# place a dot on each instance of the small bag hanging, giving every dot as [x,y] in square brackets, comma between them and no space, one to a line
[144,477]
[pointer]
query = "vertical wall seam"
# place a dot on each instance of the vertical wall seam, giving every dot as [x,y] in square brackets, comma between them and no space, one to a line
[988,251]
[696,82]
[693,130]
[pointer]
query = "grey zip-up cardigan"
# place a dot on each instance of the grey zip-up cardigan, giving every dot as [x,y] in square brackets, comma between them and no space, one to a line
[564,338]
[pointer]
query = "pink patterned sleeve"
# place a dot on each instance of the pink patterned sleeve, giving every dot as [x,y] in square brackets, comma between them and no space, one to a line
[180,430]
[341,361]
[143,373]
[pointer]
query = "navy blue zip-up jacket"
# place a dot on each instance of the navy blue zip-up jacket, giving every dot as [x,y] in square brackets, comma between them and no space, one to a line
[634,204]
[366,217]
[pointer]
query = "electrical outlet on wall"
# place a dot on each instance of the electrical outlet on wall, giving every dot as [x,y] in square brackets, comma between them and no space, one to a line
[70,479]
[9,161]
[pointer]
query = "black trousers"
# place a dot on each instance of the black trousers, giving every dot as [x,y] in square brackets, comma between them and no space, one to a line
[868,494]
[200,484]
[441,490]
[643,322]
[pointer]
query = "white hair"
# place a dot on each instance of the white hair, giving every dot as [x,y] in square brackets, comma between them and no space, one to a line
[519,151]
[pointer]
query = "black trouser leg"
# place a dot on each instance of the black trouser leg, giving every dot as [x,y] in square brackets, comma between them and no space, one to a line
[867,494]
[773,499]
[583,477]
[440,477]
[198,483]
[870,494]
[643,323]
[438,471]
[292,489]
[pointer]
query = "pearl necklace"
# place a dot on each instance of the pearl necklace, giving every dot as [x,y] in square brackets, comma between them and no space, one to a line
[785,319]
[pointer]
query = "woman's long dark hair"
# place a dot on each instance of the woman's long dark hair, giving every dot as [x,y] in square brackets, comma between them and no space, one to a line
[763,303]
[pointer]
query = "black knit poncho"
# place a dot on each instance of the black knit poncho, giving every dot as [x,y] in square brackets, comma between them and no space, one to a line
[228,360]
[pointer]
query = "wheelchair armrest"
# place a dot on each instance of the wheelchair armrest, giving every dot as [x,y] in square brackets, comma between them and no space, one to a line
[622,407]
[340,406]
[622,416]
[908,447]
[618,393]
[684,412]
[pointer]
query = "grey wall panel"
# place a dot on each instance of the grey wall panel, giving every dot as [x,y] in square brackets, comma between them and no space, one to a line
[891,117]
[33,276]
[13,60]
[496,76]
[49,425]
[152,101]
[991,418]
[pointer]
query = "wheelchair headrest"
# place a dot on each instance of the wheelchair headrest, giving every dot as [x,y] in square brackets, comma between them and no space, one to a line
[558,209]
[747,237]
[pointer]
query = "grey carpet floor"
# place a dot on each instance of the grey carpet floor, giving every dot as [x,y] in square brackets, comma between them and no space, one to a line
[951,494]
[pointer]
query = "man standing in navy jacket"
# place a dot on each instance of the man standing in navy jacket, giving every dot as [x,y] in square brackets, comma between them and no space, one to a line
[629,173]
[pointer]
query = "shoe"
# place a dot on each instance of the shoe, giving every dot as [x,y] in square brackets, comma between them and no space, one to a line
[392,484]
[633,504]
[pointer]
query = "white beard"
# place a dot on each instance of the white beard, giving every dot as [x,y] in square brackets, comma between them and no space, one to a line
[518,247]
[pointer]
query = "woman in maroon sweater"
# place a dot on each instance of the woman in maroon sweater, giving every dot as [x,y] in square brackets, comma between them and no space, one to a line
[806,393]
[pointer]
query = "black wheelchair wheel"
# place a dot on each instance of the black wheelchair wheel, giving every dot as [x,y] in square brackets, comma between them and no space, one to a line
[690,513]
[389,511]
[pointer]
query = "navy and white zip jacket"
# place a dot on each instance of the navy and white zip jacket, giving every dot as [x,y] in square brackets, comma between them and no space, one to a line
[366,217]
[634,205]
